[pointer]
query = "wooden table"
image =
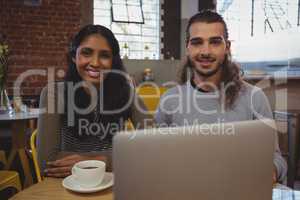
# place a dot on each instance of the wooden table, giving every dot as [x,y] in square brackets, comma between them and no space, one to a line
[18,122]
[51,188]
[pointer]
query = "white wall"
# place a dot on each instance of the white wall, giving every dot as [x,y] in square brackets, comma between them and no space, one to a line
[188,9]
[163,70]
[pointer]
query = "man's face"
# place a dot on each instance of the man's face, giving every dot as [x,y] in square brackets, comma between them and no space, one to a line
[207,47]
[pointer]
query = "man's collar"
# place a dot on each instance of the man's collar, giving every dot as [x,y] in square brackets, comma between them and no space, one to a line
[193,84]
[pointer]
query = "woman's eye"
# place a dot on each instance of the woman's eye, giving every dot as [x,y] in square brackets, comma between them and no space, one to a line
[105,55]
[86,52]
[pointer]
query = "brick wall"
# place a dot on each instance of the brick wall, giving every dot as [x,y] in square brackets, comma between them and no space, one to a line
[38,37]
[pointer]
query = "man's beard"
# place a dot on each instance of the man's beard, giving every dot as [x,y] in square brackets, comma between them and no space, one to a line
[204,74]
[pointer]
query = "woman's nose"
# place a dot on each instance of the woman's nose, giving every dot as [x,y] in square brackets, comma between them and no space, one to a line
[95,61]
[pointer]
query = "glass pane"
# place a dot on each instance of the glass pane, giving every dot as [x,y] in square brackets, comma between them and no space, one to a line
[135,46]
[101,12]
[120,13]
[149,47]
[151,22]
[123,44]
[127,28]
[103,4]
[149,2]
[150,39]
[119,38]
[130,38]
[135,55]
[134,29]
[117,28]
[119,2]
[135,13]
[105,21]
[133,2]
[149,32]
[149,8]
[149,26]
[152,16]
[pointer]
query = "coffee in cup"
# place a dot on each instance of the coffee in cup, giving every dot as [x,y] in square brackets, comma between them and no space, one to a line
[89,173]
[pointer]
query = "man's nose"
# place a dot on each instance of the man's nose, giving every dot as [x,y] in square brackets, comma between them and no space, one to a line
[205,49]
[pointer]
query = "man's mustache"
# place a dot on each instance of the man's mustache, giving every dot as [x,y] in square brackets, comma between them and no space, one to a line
[206,58]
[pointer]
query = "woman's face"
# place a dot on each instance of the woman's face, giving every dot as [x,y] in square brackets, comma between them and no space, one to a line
[93,58]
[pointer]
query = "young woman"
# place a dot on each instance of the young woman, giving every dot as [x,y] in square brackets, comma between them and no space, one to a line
[97,98]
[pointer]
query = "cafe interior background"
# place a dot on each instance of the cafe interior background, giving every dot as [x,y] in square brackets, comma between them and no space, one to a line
[264,33]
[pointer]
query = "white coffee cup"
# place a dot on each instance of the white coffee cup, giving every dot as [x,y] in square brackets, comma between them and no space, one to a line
[89,173]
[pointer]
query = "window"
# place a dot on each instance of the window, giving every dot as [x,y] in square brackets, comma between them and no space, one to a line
[135,23]
[262,23]
[259,16]
[128,11]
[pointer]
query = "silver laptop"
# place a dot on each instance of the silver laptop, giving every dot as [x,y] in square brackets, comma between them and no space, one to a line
[231,161]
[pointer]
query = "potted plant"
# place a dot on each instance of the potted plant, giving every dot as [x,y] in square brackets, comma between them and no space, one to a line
[5,106]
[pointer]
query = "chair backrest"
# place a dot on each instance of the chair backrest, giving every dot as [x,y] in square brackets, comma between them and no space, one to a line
[151,96]
[34,155]
[288,126]
[10,179]
[129,125]
[3,158]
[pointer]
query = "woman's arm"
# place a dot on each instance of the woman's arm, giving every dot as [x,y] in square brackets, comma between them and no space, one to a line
[62,167]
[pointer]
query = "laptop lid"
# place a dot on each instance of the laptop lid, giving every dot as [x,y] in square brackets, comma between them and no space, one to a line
[219,161]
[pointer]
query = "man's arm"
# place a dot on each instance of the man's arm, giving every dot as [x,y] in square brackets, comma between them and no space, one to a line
[262,108]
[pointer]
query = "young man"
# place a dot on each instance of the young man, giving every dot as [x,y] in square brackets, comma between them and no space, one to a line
[211,89]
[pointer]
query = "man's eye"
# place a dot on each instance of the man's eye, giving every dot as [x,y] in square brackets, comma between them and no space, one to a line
[216,42]
[196,42]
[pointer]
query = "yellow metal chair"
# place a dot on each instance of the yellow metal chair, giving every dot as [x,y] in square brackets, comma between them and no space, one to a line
[3,158]
[129,125]
[151,96]
[10,179]
[34,155]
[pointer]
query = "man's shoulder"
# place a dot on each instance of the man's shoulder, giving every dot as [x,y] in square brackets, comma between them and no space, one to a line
[249,88]
[176,89]
[253,93]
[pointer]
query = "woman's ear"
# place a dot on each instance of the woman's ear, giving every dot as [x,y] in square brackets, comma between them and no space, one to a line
[74,60]
[228,45]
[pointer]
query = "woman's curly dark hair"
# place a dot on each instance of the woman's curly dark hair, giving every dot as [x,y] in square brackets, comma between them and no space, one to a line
[116,86]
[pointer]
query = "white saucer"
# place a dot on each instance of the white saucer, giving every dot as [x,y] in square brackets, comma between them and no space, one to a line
[70,184]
